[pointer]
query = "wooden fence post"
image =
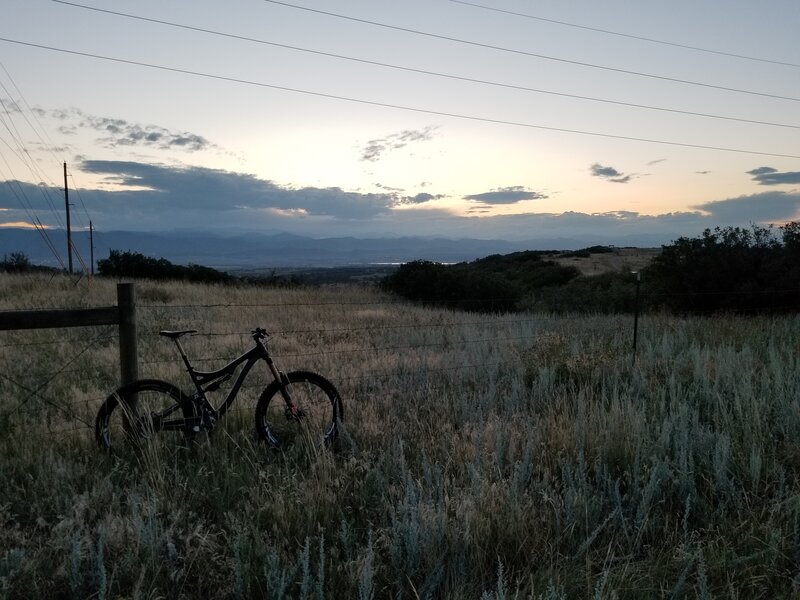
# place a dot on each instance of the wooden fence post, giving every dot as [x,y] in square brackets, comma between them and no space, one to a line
[123,315]
[128,352]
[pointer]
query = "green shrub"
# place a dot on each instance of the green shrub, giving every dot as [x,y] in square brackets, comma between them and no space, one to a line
[605,293]
[496,283]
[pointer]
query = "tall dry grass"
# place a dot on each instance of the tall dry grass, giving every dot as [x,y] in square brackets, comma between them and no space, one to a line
[485,456]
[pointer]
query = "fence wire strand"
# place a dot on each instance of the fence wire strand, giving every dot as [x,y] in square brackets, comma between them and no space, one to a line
[67,408]
[36,393]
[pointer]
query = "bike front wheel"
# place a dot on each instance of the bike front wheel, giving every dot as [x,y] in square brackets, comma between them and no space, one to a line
[130,418]
[308,418]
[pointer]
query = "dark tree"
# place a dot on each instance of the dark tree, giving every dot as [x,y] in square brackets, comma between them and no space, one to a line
[139,266]
[727,269]
[16,262]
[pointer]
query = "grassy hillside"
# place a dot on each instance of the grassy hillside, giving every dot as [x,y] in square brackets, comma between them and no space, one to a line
[485,456]
[615,261]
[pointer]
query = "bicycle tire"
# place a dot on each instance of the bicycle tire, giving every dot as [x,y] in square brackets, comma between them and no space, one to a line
[120,428]
[320,418]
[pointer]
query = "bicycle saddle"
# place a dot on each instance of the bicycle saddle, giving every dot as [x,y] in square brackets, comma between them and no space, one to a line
[173,335]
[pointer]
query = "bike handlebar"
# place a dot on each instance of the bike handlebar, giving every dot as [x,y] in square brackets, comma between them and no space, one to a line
[259,334]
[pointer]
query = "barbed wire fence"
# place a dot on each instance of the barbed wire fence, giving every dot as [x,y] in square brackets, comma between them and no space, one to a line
[353,364]
[33,396]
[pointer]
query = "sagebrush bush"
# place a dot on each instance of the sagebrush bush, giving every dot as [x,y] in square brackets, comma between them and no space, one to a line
[488,456]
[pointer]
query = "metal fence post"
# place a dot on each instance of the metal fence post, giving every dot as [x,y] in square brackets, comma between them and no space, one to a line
[128,352]
[636,314]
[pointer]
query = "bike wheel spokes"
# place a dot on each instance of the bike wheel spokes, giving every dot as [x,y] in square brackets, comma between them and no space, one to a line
[139,421]
[308,424]
[305,426]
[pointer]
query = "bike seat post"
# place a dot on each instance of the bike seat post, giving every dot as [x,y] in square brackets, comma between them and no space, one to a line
[183,355]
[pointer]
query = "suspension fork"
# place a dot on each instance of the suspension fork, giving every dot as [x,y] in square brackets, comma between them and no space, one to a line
[280,377]
[292,412]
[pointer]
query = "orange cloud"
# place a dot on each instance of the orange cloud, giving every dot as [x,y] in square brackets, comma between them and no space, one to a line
[21,225]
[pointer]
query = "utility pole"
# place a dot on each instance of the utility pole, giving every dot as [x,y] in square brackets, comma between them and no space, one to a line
[91,248]
[69,230]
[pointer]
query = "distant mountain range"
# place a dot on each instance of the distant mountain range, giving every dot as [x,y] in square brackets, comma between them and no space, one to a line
[259,251]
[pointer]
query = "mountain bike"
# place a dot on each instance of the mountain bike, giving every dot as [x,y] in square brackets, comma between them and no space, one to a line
[296,406]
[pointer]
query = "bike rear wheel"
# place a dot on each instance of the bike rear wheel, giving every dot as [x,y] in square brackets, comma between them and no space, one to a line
[131,417]
[314,423]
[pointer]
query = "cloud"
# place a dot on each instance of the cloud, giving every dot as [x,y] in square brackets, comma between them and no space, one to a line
[508,195]
[9,106]
[19,225]
[762,171]
[420,198]
[567,229]
[201,189]
[609,173]
[387,188]
[770,176]
[375,149]
[141,197]
[114,133]
[656,161]
[118,132]
[769,207]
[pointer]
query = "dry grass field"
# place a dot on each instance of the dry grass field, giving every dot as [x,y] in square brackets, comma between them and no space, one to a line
[484,456]
[620,259]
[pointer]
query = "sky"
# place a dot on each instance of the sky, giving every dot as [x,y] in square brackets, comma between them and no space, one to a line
[505,119]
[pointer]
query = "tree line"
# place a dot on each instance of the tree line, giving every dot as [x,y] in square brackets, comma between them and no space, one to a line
[139,266]
[731,269]
[134,265]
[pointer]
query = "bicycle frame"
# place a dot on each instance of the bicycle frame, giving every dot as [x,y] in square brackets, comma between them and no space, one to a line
[205,381]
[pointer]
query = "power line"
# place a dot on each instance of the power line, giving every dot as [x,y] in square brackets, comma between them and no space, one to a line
[52,145]
[398,106]
[26,205]
[80,198]
[35,170]
[73,247]
[423,71]
[630,36]
[533,54]
[21,197]
[24,156]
